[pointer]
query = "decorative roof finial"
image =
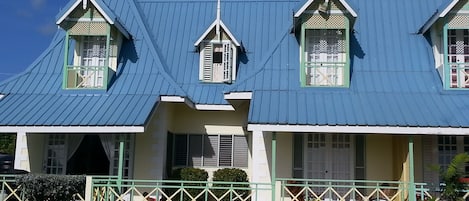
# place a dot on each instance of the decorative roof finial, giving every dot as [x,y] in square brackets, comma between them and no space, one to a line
[218,20]
[85,4]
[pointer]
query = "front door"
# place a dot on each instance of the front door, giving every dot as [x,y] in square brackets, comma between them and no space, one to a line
[329,156]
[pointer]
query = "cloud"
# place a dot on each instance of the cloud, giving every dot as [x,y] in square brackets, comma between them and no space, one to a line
[47,29]
[37,4]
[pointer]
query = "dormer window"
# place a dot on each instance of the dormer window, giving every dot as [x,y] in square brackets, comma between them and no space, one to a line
[92,45]
[457,66]
[217,59]
[449,32]
[324,39]
[218,50]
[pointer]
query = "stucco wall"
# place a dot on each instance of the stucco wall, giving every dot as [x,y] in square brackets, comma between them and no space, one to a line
[36,151]
[379,157]
[151,146]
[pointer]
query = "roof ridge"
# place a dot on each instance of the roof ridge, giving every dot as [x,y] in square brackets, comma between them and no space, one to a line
[263,62]
[153,47]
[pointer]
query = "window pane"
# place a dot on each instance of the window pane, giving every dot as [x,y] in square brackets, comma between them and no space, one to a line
[226,148]
[195,150]
[180,152]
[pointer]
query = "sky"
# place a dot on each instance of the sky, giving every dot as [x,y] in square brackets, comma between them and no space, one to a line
[26,30]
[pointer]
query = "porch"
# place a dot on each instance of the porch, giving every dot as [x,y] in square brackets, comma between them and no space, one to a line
[106,188]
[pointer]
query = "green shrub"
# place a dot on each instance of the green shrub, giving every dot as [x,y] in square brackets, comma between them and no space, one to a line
[188,174]
[230,175]
[41,187]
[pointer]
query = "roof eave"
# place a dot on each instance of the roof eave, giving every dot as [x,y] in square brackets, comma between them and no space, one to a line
[343,2]
[440,13]
[107,17]
[211,27]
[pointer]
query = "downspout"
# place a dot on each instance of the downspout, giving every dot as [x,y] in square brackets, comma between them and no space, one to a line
[412,193]
[274,164]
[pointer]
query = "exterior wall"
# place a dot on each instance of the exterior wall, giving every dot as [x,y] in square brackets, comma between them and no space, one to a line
[379,157]
[284,155]
[36,152]
[150,147]
[29,152]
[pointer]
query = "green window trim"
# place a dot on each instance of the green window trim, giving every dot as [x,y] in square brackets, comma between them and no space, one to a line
[345,75]
[75,75]
[456,72]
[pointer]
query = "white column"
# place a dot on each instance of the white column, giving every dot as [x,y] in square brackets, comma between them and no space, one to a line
[261,151]
[21,152]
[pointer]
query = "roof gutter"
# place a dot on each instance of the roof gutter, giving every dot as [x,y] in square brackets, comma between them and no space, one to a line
[72,129]
[360,129]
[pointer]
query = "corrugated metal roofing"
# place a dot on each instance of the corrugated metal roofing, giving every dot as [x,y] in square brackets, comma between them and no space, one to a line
[36,97]
[393,79]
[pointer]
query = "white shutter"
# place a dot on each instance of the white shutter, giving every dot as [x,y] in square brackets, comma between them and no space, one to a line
[227,62]
[240,151]
[430,157]
[207,65]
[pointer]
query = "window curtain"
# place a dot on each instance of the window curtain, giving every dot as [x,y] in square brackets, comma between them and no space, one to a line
[74,142]
[107,140]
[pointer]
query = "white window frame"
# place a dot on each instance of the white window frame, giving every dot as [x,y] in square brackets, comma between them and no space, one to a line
[324,57]
[55,154]
[223,73]
[458,58]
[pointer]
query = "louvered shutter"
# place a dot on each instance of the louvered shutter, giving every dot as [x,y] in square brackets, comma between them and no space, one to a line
[195,150]
[210,150]
[240,151]
[430,157]
[227,62]
[207,66]
[226,150]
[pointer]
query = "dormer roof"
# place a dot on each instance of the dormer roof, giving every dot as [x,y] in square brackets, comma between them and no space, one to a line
[441,12]
[107,13]
[213,27]
[309,2]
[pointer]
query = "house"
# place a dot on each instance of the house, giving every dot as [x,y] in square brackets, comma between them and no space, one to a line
[313,89]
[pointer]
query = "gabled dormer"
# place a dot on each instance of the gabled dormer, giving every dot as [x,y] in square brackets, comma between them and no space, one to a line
[324,28]
[449,32]
[92,44]
[218,50]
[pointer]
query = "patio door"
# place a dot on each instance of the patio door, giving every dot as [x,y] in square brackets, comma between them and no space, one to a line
[329,156]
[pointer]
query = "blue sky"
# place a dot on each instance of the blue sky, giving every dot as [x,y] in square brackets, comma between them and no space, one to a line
[27,28]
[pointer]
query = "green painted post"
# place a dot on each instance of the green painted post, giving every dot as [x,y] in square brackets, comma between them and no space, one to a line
[121,165]
[65,75]
[274,164]
[446,67]
[412,193]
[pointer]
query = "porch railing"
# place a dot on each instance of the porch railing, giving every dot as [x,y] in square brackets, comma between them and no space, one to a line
[346,190]
[107,189]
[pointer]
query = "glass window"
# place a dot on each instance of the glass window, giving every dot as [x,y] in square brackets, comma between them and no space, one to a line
[458,58]
[325,57]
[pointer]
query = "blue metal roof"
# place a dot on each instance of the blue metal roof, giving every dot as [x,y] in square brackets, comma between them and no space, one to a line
[36,97]
[393,79]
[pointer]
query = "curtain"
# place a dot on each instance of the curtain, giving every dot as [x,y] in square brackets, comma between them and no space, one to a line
[107,140]
[74,142]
